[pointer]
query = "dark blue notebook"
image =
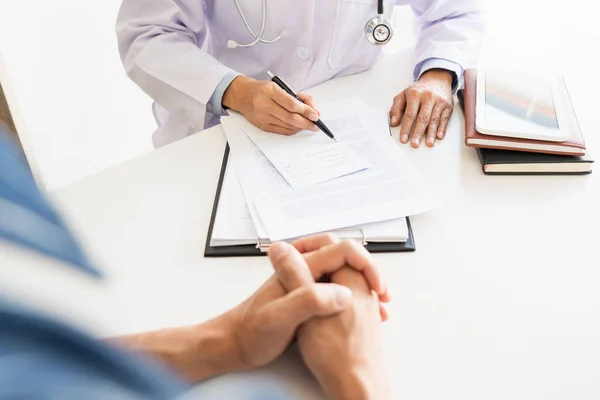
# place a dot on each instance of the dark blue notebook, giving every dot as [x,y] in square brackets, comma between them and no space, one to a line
[505,162]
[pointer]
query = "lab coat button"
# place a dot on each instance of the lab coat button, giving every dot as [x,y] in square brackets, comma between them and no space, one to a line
[302,53]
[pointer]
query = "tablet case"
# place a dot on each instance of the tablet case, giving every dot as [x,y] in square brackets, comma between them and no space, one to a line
[489,156]
[254,250]
[574,146]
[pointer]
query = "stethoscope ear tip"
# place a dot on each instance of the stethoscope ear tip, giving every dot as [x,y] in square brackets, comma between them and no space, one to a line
[232,44]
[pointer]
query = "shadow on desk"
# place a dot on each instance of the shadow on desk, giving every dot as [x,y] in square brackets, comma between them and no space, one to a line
[287,378]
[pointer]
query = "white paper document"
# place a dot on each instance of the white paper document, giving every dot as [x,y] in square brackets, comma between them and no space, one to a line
[306,158]
[390,189]
[234,224]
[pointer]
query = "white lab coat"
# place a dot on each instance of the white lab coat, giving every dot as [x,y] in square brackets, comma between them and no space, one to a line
[176,50]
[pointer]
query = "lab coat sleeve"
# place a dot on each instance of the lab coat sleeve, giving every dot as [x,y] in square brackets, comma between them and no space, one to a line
[160,46]
[440,63]
[215,103]
[451,30]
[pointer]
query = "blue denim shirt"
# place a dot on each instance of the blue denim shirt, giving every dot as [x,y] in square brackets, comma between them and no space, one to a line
[44,357]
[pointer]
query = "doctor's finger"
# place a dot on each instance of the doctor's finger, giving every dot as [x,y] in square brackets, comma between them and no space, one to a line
[309,101]
[279,129]
[422,121]
[294,106]
[434,122]
[441,132]
[272,119]
[397,109]
[409,117]
[291,120]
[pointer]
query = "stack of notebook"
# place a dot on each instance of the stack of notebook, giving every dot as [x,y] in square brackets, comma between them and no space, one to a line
[511,156]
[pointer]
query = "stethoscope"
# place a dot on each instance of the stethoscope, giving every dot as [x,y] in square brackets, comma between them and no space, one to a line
[378,30]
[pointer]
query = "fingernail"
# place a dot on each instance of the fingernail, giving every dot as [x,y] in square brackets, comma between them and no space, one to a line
[383,286]
[405,138]
[430,141]
[394,120]
[387,295]
[417,142]
[313,116]
[343,297]
[440,136]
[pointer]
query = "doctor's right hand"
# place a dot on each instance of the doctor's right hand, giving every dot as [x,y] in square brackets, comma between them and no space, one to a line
[269,107]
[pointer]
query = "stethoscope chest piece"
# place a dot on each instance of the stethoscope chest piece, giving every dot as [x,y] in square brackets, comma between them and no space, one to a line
[379,30]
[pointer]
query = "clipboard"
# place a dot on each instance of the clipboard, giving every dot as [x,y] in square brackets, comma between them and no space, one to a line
[261,247]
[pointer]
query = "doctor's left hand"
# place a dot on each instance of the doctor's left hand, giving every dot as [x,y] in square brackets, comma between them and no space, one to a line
[424,108]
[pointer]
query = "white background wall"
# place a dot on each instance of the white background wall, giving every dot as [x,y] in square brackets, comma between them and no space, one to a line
[82,114]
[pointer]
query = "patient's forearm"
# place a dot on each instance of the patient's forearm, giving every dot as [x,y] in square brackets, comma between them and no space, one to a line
[196,352]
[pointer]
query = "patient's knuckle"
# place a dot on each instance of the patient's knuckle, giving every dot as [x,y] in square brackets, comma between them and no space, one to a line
[326,239]
[311,296]
[330,238]
[350,246]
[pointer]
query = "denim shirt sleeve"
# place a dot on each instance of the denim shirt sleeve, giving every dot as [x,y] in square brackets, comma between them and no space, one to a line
[27,218]
[42,356]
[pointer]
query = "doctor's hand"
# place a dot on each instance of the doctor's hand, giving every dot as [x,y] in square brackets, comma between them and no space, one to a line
[424,108]
[269,107]
[342,350]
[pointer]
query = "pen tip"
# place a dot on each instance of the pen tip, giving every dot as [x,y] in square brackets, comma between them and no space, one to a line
[271,75]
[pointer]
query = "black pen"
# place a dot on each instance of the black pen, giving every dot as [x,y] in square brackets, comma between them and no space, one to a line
[289,91]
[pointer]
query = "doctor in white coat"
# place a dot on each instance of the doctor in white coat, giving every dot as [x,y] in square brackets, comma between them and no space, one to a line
[197,58]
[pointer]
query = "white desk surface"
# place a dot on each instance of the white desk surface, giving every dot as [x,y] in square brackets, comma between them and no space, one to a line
[500,300]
